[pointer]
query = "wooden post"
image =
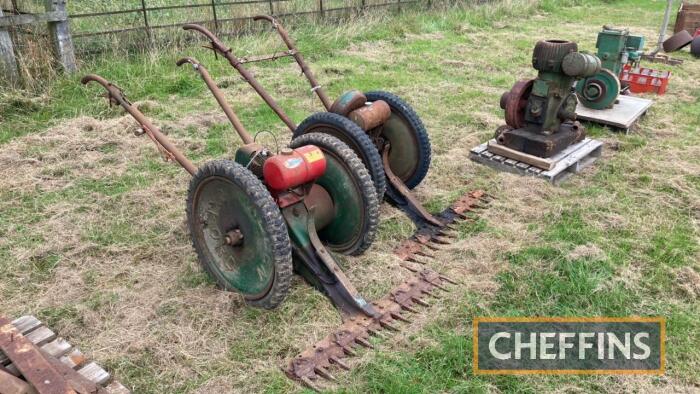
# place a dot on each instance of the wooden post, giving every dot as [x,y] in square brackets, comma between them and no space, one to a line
[59,32]
[8,62]
[320,8]
[272,9]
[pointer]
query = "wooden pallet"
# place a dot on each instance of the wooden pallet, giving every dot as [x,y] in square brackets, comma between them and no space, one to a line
[48,342]
[570,161]
[622,116]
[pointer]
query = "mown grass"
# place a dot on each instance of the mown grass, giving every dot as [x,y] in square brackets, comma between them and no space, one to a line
[612,242]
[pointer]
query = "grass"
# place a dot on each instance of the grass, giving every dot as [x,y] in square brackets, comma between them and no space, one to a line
[93,240]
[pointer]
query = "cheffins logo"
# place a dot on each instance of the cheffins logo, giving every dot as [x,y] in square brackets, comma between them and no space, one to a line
[596,345]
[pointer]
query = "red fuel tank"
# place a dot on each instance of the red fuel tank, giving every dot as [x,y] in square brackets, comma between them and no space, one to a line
[294,167]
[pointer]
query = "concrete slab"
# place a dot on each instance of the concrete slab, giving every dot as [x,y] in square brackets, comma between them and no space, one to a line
[622,115]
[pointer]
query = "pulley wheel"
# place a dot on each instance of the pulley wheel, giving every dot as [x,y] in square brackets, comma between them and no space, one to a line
[677,41]
[514,103]
[238,233]
[353,225]
[409,157]
[599,91]
[354,137]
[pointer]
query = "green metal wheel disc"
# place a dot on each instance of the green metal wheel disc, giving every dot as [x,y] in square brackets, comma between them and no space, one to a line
[238,232]
[409,157]
[350,226]
[599,91]
[346,227]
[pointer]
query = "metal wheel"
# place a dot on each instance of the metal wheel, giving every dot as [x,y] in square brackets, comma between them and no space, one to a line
[352,224]
[515,101]
[238,233]
[677,41]
[599,91]
[354,137]
[409,157]
[695,47]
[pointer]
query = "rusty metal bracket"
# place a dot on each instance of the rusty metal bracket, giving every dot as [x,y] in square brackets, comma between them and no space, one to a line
[429,238]
[219,47]
[33,365]
[414,207]
[162,142]
[315,86]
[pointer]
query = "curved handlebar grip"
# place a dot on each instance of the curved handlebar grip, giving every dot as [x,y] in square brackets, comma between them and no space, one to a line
[201,29]
[96,78]
[188,59]
[265,17]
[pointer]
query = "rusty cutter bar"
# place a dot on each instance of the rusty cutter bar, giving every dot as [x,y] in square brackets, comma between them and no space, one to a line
[116,96]
[218,47]
[294,52]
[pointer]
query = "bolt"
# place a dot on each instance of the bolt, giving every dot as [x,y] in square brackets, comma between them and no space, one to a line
[234,237]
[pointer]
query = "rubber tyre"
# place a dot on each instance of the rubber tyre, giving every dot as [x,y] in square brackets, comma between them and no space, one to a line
[420,135]
[366,231]
[267,215]
[695,47]
[353,136]
[677,41]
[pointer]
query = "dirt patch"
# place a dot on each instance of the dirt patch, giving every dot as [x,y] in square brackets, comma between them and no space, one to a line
[688,280]
[589,251]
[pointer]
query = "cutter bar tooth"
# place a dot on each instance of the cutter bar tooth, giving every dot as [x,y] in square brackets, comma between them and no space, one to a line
[324,374]
[339,362]
[349,351]
[409,308]
[398,317]
[419,301]
[431,247]
[448,280]
[308,383]
[440,240]
[430,293]
[388,326]
[364,343]
[376,333]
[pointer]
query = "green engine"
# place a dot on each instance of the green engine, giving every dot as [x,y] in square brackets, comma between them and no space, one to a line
[540,113]
[616,47]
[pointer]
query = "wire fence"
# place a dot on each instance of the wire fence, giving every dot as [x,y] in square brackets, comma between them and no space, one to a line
[95,26]
[98,25]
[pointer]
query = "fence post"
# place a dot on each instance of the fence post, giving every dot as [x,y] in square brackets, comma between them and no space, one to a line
[216,20]
[272,9]
[59,32]
[145,22]
[320,8]
[8,62]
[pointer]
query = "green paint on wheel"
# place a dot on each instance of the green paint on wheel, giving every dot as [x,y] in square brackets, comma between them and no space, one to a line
[239,233]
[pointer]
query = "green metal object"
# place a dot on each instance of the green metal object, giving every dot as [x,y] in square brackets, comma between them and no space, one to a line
[346,195]
[540,113]
[223,208]
[616,48]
